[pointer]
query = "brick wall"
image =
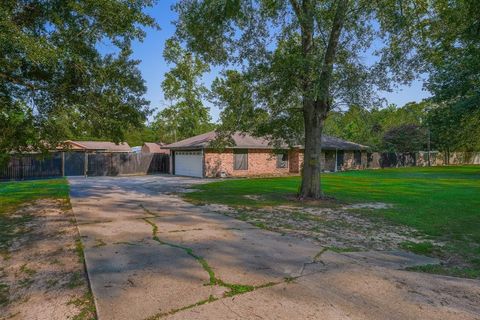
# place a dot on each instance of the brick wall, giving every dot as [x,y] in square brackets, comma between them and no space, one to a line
[264,162]
[295,160]
[260,162]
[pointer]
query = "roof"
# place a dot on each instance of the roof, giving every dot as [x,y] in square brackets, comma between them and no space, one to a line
[334,143]
[246,141]
[155,147]
[100,146]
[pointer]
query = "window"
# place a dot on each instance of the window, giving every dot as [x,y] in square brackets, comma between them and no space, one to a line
[282,160]
[357,157]
[240,159]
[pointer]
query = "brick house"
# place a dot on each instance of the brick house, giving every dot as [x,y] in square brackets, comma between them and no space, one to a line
[251,156]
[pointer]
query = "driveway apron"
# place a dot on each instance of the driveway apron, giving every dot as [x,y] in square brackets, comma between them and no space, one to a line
[151,255]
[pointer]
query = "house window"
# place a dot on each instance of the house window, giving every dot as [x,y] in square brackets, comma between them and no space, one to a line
[240,159]
[357,157]
[282,160]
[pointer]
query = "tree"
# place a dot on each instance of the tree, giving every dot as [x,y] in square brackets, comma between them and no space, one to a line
[54,77]
[452,128]
[453,58]
[136,136]
[405,138]
[187,116]
[304,57]
[454,52]
[368,126]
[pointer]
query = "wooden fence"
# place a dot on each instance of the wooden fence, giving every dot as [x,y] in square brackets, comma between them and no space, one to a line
[421,159]
[60,164]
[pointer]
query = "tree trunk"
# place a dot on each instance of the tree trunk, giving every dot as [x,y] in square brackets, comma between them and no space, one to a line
[316,96]
[314,119]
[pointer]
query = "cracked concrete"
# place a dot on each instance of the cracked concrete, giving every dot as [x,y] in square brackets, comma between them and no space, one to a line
[134,276]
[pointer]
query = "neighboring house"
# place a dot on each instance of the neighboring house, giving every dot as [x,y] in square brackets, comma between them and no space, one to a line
[95,146]
[250,156]
[154,147]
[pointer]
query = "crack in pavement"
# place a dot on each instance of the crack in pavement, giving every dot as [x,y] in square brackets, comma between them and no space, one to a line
[234,289]
[314,261]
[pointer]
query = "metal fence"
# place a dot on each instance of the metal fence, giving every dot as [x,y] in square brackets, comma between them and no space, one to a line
[83,164]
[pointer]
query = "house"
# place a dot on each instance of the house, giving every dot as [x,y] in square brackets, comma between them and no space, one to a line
[251,156]
[95,146]
[154,147]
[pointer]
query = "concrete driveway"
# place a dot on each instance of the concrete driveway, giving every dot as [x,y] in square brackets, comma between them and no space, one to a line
[150,255]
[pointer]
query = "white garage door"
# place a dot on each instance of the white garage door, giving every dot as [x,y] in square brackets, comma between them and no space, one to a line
[189,163]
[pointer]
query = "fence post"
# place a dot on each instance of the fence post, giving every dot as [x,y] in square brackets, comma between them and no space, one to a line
[85,165]
[63,163]
[22,169]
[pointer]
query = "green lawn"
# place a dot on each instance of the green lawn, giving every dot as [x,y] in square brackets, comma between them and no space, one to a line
[441,202]
[13,194]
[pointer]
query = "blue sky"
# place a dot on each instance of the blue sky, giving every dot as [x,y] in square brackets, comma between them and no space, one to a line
[153,67]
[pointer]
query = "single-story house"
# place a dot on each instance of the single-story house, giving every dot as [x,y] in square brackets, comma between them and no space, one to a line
[154,147]
[251,156]
[95,146]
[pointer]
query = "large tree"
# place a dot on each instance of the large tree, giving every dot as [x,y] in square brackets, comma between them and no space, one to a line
[304,57]
[454,69]
[55,82]
[187,115]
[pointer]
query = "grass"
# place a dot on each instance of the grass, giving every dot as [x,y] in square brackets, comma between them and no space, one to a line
[85,305]
[441,202]
[448,271]
[14,194]
[425,248]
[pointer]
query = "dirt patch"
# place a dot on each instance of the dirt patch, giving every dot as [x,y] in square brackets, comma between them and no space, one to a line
[254,197]
[341,228]
[42,273]
[369,205]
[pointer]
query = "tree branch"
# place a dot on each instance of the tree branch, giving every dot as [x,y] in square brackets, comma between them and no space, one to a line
[17,81]
[297,10]
[330,52]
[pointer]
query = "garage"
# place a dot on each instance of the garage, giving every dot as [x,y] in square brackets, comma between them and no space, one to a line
[189,163]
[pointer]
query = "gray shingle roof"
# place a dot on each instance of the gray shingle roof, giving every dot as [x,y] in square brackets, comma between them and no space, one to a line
[246,141]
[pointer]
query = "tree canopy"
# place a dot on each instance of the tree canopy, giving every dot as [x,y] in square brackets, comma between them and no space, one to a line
[186,116]
[54,80]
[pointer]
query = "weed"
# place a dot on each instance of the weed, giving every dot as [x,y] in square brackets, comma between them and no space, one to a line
[79,250]
[289,279]
[4,294]
[27,270]
[99,243]
[343,249]
[425,248]
[25,283]
[85,305]
[171,312]
[76,280]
